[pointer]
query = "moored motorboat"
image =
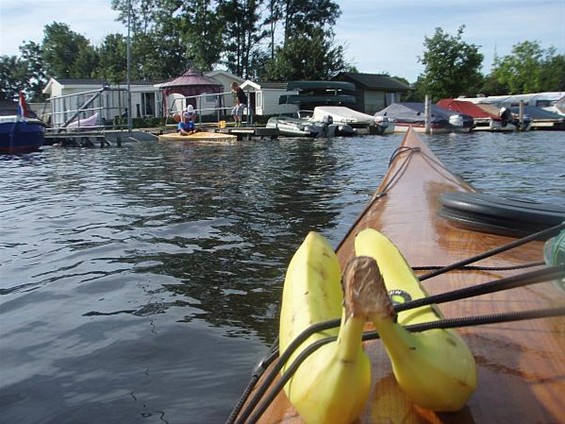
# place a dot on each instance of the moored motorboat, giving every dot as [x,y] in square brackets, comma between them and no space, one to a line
[413,115]
[304,124]
[541,119]
[357,120]
[521,364]
[294,127]
[21,135]
[20,129]
[485,118]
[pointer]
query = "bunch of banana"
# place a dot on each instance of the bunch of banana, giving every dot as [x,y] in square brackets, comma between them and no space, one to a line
[333,383]
[435,368]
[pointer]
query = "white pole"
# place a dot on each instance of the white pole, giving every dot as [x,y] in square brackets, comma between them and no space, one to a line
[129,66]
[427,113]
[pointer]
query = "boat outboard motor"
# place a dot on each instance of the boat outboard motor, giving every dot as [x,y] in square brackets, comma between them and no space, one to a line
[383,121]
[505,116]
[456,121]
[328,127]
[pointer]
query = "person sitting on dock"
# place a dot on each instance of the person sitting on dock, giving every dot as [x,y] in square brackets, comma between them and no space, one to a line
[186,124]
[240,103]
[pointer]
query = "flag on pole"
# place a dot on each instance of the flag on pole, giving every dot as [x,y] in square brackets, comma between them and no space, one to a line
[22,106]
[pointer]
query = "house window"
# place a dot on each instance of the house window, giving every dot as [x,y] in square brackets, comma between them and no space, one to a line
[148,104]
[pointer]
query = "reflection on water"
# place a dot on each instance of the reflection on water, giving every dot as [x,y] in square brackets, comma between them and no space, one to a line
[144,282]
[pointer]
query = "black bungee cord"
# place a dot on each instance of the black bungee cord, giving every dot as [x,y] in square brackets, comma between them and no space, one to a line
[490,287]
[533,277]
[373,335]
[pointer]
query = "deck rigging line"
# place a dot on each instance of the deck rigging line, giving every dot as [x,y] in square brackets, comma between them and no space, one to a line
[533,277]
[458,265]
[254,409]
[409,151]
[372,335]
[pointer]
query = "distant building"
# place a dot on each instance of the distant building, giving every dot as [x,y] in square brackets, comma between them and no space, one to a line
[91,96]
[263,97]
[374,92]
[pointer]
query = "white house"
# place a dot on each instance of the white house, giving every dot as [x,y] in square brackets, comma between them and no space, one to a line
[81,98]
[72,99]
[264,97]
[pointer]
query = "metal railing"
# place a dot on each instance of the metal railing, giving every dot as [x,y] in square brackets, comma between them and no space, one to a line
[212,105]
[109,103]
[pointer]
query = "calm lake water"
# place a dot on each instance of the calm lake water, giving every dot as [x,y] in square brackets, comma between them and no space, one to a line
[142,284]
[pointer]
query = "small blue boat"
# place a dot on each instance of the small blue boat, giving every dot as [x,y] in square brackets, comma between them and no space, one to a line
[20,132]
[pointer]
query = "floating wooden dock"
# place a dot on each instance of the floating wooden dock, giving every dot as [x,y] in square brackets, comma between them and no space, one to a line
[247,133]
[108,138]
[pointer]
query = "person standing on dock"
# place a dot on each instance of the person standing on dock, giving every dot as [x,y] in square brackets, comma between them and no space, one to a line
[240,103]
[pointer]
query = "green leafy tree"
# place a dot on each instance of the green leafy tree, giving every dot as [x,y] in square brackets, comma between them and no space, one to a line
[24,72]
[201,33]
[306,16]
[112,53]
[308,26]
[242,35]
[529,69]
[323,61]
[452,66]
[12,77]
[32,60]
[67,54]
[492,86]
[160,46]
[552,74]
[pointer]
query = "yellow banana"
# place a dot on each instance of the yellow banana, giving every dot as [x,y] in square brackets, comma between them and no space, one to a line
[435,368]
[333,383]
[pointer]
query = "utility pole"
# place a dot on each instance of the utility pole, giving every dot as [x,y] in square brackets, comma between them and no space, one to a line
[129,66]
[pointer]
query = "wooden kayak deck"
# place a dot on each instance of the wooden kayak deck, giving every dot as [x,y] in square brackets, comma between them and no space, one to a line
[521,365]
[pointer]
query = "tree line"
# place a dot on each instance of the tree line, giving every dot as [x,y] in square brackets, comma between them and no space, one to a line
[262,40]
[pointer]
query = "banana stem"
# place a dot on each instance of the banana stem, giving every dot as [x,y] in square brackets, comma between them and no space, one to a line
[397,339]
[349,338]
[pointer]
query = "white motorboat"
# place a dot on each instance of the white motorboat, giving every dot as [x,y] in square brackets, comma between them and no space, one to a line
[358,120]
[304,124]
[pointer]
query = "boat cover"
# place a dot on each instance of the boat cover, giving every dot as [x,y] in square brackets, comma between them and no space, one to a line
[538,113]
[342,114]
[414,112]
[468,108]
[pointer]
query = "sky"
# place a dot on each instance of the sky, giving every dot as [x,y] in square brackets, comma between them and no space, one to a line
[379,36]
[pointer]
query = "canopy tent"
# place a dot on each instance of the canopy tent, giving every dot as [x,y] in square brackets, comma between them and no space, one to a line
[191,83]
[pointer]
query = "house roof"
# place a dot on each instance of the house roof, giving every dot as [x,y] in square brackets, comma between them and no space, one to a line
[85,82]
[373,81]
[97,82]
[226,74]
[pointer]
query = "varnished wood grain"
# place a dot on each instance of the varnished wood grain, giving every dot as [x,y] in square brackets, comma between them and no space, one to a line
[521,365]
